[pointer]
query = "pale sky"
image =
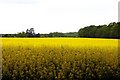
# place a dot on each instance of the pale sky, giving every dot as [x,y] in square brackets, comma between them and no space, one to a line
[55,15]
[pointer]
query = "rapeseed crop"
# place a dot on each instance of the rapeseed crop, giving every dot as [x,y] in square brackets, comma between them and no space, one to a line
[59,58]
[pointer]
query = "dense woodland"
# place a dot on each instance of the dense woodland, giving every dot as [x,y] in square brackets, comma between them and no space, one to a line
[111,30]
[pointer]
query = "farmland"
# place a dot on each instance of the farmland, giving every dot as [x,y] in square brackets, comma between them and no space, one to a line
[59,58]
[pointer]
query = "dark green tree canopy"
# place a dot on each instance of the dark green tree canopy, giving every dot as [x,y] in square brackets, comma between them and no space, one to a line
[102,31]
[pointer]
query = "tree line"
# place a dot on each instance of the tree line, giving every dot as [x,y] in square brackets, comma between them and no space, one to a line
[31,33]
[111,30]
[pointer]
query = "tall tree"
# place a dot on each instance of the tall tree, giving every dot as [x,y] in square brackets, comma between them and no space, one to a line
[30,32]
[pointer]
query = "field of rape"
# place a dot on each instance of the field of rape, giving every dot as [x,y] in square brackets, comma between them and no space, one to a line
[60,59]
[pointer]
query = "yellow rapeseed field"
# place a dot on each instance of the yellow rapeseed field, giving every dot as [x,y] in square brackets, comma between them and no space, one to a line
[59,58]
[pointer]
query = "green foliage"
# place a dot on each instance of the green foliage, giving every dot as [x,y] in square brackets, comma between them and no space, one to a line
[56,34]
[21,34]
[71,34]
[102,31]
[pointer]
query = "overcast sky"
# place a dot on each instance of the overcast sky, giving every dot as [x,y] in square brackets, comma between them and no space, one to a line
[55,15]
